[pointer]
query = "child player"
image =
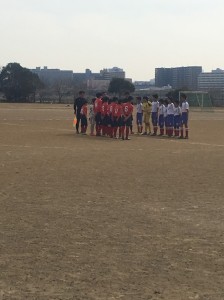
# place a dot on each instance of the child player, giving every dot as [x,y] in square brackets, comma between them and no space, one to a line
[146,108]
[155,108]
[83,114]
[131,126]
[161,116]
[120,118]
[177,118]
[127,111]
[139,114]
[97,111]
[114,117]
[92,117]
[111,107]
[184,117]
[165,116]
[104,115]
[170,117]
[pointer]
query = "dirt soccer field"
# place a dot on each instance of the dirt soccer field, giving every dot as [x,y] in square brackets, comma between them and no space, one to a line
[96,218]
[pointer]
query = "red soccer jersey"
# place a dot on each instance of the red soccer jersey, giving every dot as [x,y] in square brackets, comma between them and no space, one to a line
[84,110]
[104,108]
[97,105]
[127,109]
[118,110]
[111,108]
[108,109]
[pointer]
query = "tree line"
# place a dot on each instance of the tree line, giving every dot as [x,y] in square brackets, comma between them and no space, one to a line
[19,84]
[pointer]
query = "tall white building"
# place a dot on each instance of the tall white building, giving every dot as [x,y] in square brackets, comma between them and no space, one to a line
[211,81]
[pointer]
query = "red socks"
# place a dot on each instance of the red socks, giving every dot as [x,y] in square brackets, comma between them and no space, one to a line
[177,132]
[182,132]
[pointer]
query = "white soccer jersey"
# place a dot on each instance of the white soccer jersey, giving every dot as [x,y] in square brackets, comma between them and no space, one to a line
[185,106]
[91,111]
[170,109]
[139,108]
[177,111]
[155,106]
[161,109]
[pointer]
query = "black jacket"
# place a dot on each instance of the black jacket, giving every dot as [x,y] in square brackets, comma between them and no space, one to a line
[78,103]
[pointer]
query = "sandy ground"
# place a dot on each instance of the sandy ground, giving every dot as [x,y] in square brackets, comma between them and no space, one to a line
[95,218]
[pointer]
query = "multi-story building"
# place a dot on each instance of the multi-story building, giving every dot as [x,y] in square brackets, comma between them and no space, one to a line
[96,81]
[84,77]
[101,80]
[178,78]
[108,74]
[51,76]
[213,82]
[209,81]
[163,77]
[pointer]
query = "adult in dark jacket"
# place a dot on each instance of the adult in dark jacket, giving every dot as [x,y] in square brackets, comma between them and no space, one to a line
[78,103]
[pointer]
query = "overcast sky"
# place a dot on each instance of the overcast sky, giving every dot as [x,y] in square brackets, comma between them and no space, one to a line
[136,35]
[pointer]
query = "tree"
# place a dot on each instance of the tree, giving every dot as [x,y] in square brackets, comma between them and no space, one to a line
[119,86]
[18,83]
[63,87]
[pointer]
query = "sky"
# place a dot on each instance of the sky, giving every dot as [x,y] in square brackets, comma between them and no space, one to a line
[136,35]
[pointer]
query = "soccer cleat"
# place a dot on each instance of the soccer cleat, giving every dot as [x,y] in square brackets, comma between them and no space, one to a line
[144,133]
[127,139]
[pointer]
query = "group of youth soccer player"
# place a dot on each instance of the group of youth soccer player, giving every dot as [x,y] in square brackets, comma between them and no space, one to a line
[113,117]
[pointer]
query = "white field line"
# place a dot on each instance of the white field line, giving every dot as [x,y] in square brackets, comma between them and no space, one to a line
[37,147]
[62,148]
[41,109]
[201,144]
[5,121]
[206,144]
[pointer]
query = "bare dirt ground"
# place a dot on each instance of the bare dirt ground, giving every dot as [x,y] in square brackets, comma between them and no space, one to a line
[95,218]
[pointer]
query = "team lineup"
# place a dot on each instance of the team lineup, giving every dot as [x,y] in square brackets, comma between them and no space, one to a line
[113,117]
